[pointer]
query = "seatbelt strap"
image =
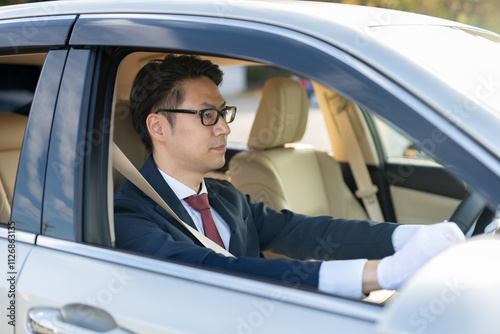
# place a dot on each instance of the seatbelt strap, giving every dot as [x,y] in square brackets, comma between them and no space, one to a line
[367,191]
[122,164]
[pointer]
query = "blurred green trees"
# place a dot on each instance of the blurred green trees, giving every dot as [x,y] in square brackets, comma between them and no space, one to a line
[480,13]
[12,2]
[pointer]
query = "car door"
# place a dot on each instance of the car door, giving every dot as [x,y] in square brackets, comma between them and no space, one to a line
[24,45]
[73,279]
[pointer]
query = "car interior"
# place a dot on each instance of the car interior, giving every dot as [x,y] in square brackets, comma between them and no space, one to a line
[12,128]
[268,167]
[268,170]
[270,161]
[275,167]
[19,78]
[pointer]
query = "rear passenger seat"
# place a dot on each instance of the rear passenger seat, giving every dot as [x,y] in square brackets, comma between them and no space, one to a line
[12,127]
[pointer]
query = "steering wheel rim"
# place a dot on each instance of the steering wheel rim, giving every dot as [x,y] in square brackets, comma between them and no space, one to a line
[468,212]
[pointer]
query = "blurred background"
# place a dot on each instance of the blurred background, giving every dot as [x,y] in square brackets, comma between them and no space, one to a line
[481,13]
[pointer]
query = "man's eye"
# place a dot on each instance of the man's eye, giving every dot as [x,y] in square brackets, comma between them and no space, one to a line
[209,114]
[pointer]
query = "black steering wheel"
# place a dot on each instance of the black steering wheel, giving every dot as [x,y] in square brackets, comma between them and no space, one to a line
[473,208]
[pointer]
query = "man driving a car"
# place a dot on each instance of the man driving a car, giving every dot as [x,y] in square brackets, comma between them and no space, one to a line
[183,119]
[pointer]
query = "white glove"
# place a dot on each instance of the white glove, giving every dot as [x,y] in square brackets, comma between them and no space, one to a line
[489,230]
[429,241]
[492,227]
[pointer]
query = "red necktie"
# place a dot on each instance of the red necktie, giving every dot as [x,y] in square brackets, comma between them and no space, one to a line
[200,204]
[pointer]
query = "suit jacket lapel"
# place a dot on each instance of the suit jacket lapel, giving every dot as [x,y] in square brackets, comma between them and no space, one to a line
[153,176]
[233,219]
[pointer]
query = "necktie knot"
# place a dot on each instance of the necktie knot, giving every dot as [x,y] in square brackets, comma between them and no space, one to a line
[198,202]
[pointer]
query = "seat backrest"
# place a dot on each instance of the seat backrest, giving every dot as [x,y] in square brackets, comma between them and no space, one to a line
[127,139]
[12,128]
[287,176]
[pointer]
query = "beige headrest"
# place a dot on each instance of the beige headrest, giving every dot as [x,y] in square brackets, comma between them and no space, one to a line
[282,114]
[127,139]
[12,127]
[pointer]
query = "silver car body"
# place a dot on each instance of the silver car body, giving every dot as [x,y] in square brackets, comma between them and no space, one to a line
[401,52]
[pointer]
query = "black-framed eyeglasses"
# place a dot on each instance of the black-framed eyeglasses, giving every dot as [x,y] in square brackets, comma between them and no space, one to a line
[208,116]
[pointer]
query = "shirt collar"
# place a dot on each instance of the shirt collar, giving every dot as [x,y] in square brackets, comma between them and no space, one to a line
[180,189]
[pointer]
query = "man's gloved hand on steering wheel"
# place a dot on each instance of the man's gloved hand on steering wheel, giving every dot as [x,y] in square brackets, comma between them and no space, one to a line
[493,226]
[427,242]
[416,244]
[489,230]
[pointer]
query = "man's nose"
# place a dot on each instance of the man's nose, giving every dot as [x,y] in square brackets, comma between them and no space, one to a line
[221,127]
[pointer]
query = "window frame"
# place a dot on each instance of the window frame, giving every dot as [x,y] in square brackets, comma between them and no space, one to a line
[20,36]
[334,68]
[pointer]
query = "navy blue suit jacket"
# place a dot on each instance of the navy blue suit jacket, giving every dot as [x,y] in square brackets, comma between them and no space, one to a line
[143,226]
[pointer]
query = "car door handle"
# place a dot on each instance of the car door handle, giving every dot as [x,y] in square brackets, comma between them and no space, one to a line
[72,319]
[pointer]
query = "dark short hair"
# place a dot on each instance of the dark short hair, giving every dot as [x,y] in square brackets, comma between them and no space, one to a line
[159,85]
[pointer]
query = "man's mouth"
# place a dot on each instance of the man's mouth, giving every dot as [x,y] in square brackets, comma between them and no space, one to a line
[220,147]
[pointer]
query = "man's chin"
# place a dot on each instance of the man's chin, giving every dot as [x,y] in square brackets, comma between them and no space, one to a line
[216,166]
[221,164]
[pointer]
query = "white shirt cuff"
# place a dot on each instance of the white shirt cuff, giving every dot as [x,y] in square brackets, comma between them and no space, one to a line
[342,278]
[402,234]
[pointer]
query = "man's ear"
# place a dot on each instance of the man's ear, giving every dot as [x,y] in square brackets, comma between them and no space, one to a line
[155,126]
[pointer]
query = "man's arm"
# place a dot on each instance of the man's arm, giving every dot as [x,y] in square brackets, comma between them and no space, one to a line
[141,228]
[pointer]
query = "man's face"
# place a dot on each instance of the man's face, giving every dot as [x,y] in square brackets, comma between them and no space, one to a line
[191,146]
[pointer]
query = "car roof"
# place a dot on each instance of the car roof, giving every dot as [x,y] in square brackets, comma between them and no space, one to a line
[223,8]
[288,14]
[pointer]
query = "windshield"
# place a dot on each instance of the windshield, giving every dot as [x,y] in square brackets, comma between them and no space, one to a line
[466,59]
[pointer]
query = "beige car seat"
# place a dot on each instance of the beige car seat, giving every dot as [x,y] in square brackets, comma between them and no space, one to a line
[284,176]
[12,128]
[127,139]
